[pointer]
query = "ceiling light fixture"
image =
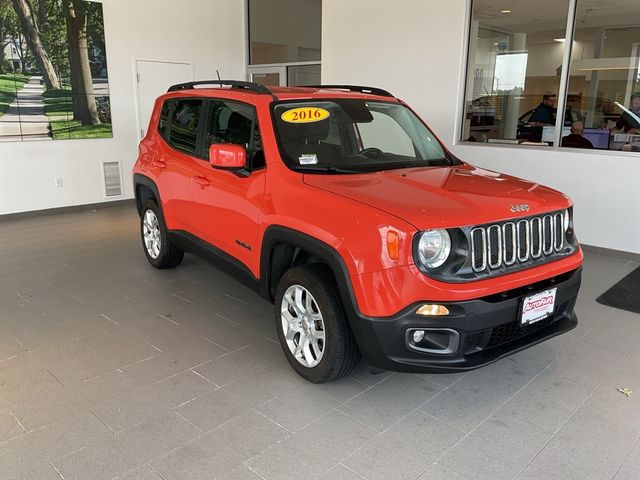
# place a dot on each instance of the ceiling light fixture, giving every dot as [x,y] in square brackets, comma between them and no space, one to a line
[561,40]
[505,11]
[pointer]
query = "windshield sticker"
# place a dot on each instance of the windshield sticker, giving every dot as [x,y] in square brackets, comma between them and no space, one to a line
[305,115]
[308,159]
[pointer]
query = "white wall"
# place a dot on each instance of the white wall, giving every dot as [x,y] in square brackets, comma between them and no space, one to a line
[415,49]
[208,33]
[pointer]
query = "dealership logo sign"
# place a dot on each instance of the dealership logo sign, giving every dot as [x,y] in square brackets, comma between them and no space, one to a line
[519,208]
[539,304]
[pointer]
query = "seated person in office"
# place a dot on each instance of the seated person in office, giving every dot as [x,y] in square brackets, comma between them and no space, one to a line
[575,139]
[545,113]
[627,123]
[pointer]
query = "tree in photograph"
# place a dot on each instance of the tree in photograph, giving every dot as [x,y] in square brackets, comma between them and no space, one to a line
[53,32]
[84,104]
[32,37]
[43,15]
[6,20]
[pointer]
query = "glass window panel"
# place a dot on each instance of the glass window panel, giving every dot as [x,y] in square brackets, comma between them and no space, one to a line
[300,75]
[283,31]
[603,92]
[513,73]
[184,125]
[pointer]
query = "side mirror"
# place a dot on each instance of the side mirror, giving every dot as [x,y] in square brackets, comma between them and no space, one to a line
[227,156]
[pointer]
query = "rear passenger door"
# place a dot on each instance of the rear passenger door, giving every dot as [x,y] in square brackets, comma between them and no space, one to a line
[228,204]
[173,167]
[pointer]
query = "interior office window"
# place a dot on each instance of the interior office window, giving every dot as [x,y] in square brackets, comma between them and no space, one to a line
[604,84]
[513,72]
[282,31]
[184,124]
[301,75]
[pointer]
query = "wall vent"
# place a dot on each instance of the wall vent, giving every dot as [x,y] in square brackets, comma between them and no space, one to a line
[112,179]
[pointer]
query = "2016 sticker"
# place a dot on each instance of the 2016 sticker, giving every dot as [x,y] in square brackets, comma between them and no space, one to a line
[305,115]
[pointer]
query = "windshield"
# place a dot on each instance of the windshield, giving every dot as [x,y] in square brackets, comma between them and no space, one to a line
[353,136]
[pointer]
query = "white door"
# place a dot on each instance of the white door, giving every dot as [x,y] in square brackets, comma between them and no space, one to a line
[153,79]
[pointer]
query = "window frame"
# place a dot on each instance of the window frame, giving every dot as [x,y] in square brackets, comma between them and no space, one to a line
[166,135]
[562,92]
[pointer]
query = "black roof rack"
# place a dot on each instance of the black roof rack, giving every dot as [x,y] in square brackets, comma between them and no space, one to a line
[248,86]
[355,88]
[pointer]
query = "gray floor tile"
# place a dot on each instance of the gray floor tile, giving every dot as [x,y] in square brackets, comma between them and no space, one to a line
[316,449]
[421,440]
[497,449]
[608,403]
[307,402]
[340,472]
[241,473]
[98,369]
[390,400]
[144,472]
[471,400]
[438,472]
[220,451]
[519,369]
[151,401]
[587,447]
[9,426]
[218,407]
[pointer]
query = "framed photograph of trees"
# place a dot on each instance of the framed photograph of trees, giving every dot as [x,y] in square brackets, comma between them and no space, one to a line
[54,83]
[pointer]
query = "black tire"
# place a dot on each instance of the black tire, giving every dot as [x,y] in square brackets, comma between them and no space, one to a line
[169,255]
[340,352]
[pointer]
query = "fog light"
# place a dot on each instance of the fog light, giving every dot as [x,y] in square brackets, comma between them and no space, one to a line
[418,335]
[432,310]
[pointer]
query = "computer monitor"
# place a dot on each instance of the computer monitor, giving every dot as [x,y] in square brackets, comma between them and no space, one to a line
[549,133]
[599,137]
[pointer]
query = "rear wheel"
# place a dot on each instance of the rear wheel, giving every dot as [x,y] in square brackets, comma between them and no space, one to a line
[159,250]
[312,327]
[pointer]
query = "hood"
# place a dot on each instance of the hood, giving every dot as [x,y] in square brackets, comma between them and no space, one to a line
[443,197]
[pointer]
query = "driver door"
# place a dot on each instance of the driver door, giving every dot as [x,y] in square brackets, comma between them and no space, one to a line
[227,203]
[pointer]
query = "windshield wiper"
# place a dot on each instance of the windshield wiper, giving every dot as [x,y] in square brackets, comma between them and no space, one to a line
[327,169]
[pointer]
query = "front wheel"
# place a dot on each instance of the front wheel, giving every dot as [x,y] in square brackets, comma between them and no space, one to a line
[312,327]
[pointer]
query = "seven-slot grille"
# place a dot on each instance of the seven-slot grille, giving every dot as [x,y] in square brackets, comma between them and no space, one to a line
[518,241]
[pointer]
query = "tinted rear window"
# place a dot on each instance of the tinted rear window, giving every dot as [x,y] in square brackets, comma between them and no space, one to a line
[185,120]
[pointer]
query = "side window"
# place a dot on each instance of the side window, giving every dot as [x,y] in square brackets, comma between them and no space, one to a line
[184,125]
[233,122]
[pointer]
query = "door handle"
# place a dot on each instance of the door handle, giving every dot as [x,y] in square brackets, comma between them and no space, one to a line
[159,163]
[203,181]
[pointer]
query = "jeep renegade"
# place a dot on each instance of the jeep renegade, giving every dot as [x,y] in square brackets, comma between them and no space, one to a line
[340,206]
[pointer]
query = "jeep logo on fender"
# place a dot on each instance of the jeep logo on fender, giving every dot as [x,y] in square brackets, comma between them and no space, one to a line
[543,302]
[520,208]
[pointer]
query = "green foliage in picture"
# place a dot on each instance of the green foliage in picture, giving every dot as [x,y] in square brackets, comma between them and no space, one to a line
[9,85]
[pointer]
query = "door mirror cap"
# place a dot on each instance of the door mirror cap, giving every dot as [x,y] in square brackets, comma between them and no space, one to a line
[227,156]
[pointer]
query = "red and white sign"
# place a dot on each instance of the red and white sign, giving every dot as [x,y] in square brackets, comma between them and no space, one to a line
[539,306]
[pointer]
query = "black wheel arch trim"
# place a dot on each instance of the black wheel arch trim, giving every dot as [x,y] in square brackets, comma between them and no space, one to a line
[362,331]
[143,180]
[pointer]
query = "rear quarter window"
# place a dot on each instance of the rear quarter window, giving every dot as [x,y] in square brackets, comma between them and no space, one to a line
[184,124]
[164,118]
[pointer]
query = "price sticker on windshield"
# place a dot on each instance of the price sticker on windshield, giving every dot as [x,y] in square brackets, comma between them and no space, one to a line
[305,115]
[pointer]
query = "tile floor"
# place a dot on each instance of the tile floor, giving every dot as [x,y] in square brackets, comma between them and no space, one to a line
[111,369]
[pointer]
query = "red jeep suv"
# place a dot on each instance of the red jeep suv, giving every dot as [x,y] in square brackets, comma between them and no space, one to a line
[340,206]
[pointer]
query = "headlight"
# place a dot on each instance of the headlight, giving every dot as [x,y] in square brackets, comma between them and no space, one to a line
[434,248]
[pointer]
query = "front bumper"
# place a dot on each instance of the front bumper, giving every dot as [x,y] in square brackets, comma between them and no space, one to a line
[484,329]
